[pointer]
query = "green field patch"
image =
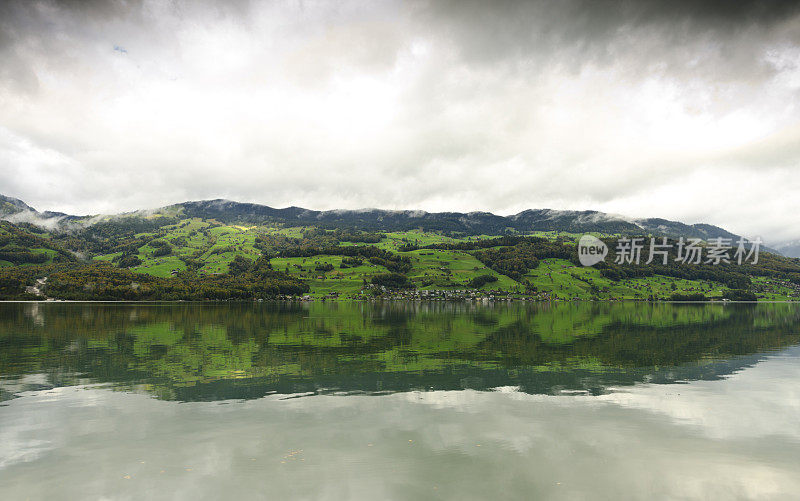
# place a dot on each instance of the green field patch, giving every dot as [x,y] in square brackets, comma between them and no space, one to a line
[50,253]
[293,232]
[564,280]
[229,242]
[161,266]
[438,269]
[661,287]
[107,257]
[322,281]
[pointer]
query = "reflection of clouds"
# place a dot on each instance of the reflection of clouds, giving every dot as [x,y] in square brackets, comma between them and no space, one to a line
[18,445]
[758,401]
[21,434]
[468,444]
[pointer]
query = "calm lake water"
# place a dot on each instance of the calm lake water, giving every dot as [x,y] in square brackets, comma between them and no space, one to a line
[399,401]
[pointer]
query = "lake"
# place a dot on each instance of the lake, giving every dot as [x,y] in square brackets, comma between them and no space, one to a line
[399,401]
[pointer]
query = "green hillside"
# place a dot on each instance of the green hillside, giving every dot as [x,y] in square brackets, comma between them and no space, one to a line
[181,257]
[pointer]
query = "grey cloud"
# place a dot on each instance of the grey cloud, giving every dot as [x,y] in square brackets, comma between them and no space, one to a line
[687,36]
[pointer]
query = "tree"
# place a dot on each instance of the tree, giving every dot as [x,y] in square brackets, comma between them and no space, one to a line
[392,281]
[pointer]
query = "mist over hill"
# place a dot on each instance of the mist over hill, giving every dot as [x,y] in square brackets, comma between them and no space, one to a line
[471,223]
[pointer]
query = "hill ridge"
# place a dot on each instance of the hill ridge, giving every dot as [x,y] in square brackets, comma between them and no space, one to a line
[374,219]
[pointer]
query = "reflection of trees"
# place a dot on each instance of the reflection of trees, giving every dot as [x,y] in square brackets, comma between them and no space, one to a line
[247,349]
[621,343]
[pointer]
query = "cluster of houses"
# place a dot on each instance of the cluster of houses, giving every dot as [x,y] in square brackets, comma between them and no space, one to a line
[793,288]
[379,292]
[374,292]
[383,293]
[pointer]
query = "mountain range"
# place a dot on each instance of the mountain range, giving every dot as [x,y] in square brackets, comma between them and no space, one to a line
[221,249]
[471,223]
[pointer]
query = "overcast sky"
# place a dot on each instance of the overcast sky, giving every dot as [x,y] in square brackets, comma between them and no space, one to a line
[683,109]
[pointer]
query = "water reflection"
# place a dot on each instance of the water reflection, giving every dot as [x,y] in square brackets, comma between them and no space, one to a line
[416,422]
[206,352]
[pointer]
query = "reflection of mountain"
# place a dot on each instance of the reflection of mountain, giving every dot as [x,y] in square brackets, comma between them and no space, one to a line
[246,350]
